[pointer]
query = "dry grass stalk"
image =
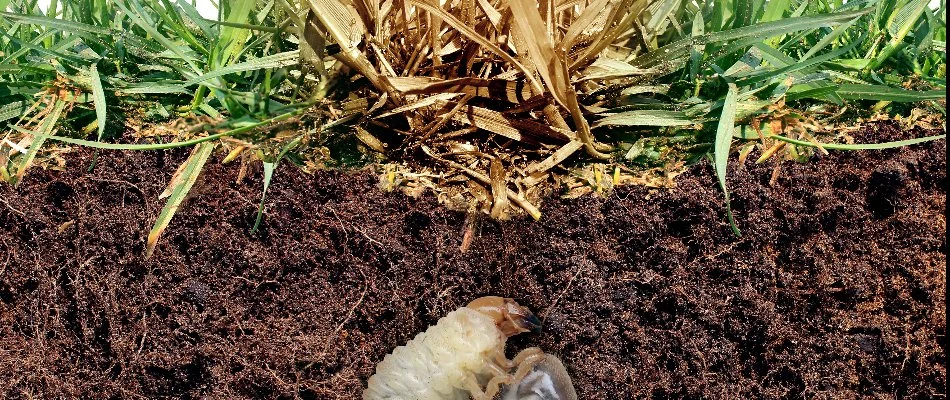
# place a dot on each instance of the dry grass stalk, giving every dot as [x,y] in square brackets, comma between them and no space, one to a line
[486,89]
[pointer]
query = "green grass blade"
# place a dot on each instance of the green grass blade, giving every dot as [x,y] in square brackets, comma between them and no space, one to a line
[819,90]
[155,88]
[9,68]
[744,13]
[138,16]
[899,26]
[727,125]
[797,66]
[301,108]
[48,127]
[178,189]
[852,91]
[669,54]
[40,49]
[269,168]
[664,9]
[171,15]
[775,10]
[831,37]
[272,61]
[250,27]
[902,21]
[192,14]
[268,175]
[232,38]
[12,110]
[862,146]
[780,59]
[57,24]
[24,49]
[98,99]
[645,118]
[696,53]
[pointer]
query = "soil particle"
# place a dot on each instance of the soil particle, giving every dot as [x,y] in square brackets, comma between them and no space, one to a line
[835,289]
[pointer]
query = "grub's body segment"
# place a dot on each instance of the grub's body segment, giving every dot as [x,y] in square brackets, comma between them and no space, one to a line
[456,357]
[433,366]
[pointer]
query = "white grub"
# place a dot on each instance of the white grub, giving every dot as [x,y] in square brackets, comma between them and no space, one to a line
[548,380]
[462,355]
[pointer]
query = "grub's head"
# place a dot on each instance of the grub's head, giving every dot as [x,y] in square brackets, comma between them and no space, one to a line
[510,317]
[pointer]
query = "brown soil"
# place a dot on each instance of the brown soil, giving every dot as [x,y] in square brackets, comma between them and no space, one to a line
[835,290]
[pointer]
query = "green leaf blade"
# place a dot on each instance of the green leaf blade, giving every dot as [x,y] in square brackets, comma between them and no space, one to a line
[659,118]
[853,91]
[179,187]
[727,124]
[98,99]
[49,126]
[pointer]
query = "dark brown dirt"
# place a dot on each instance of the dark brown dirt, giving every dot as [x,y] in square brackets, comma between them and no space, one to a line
[835,290]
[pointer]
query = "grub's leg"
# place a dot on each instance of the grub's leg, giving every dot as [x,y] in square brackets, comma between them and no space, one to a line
[471,384]
[531,355]
[491,389]
[501,360]
[525,361]
[519,359]
[500,368]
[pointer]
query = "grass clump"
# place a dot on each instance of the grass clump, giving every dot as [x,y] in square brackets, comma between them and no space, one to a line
[114,62]
[489,102]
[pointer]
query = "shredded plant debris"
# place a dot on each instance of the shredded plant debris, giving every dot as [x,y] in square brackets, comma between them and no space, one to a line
[484,102]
